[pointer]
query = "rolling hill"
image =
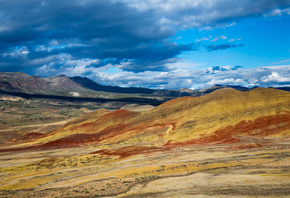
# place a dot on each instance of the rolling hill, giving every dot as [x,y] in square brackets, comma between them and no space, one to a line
[223,116]
[238,142]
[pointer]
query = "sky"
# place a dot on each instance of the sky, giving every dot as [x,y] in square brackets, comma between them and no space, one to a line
[164,44]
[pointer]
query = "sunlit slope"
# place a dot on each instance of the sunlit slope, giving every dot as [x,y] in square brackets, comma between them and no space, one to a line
[92,123]
[223,116]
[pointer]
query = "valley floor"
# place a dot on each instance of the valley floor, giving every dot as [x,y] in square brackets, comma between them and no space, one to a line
[195,171]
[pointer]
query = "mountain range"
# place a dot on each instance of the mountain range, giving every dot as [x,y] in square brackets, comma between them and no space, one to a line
[61,84]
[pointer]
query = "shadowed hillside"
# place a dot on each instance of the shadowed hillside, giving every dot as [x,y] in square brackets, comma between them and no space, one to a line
[87,83]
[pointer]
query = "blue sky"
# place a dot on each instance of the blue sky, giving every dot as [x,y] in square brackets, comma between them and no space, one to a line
[263,40]
[151,43]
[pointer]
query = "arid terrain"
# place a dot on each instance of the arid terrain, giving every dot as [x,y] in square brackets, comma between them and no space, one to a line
[18,116]
[144,99]
[225,144]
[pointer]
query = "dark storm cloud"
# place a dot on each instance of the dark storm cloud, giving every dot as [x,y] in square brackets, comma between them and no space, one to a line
[83,29]
[222,47]
[155,58]
[134,35]
[208,13]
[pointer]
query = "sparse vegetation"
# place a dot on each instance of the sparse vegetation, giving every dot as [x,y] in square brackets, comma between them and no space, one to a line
[16,115]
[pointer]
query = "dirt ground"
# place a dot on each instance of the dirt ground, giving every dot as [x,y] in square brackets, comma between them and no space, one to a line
[192,171]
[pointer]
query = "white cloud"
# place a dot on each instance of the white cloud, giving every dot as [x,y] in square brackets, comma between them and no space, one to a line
[218,38]
[65,64]
[275,77]
[227,81]
[278,12]
[182,64]
[83,62]
[17,51]
[196,78]
[56,45]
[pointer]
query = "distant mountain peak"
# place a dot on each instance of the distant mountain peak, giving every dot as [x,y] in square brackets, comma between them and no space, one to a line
[217,86]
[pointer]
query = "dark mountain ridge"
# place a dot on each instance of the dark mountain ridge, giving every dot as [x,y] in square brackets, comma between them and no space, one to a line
[89,84]
[19,82]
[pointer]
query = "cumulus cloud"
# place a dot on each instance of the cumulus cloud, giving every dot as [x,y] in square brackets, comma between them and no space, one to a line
[275,77]
[227,81]
[198,78]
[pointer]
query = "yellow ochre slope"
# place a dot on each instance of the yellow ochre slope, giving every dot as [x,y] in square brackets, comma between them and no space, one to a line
[223,116]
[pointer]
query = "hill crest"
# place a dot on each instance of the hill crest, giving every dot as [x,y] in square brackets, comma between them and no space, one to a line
[224,116]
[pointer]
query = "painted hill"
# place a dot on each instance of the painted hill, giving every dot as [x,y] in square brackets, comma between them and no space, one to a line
[238,142]
[216,87]
[225,116]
